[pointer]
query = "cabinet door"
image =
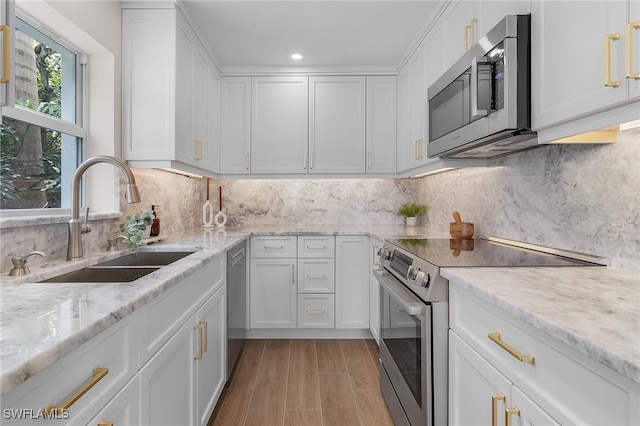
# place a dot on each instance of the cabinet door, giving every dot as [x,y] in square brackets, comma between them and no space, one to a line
[185,63]
[279,130]
[166,381]
[123,409]
[316,310]
[235,125]
[475,387]
[337,124]
[352,282]
[403,141]
[459,34]
[374,290]
[530,412]
[417,151]
[212,148]
[568,58]
[200,142]
[273,293]
[211,368]
[381,124]
[634,39]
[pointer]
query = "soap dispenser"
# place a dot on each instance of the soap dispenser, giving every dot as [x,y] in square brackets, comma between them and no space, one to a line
[155,224]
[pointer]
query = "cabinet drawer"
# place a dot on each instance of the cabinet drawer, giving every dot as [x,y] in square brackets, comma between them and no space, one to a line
[568,385]
[316,246]
[104,364]
[273,246]
[316,276]
[163,316]
[316,311]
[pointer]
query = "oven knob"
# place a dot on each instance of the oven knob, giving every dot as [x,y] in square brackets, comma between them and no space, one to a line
[412,272]
[422,279]
[384,254]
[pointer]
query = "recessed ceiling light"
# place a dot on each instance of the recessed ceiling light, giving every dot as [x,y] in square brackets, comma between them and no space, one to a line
[296,56]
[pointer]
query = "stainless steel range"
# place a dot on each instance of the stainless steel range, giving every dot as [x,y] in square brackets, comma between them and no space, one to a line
[414,313]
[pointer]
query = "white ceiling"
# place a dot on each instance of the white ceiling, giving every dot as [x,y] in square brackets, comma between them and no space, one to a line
[358,34]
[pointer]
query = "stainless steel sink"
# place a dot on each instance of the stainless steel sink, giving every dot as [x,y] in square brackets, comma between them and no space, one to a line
[123,269]
[147,258]
[102,275]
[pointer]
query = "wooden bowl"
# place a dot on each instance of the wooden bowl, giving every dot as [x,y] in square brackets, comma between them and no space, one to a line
[461,230]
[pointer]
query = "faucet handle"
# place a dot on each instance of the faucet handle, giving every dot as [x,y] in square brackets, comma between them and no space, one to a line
[20,264]
[112,244]
[85,228]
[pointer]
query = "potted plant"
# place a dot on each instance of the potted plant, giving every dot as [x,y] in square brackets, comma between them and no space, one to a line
[411,211]
[136,229]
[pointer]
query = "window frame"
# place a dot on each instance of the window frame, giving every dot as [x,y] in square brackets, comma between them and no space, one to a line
[71,159]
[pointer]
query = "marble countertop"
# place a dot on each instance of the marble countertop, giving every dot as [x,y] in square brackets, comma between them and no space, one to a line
[594,310]
[39,326]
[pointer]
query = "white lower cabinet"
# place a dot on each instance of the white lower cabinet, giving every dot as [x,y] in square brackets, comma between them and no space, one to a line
[480,394]
[547,383]
[374,289]
[123,409]
[211,369]
[316,311]
[352,281]
[167,381]
[273,293]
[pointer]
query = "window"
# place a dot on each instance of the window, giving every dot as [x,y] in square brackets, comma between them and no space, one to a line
[42,128]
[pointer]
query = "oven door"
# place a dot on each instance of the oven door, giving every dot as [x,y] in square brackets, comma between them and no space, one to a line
[405,352]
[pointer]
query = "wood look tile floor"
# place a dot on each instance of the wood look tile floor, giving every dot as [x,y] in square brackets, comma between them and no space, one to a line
[304,383]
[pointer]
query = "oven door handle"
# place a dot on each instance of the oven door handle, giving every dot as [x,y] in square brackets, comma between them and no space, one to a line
[403,297]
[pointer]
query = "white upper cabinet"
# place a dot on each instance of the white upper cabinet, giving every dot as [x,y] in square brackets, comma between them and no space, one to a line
[381,124]
[166,81]
[402,141]
[579,65]
[235,125]
[279,125]
[417,109]
[337,124]
[465,22]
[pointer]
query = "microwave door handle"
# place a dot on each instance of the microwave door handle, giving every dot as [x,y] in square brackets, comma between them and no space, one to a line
[475,86]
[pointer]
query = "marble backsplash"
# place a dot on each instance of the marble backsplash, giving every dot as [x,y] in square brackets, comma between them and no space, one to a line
[577,197]
[583,198]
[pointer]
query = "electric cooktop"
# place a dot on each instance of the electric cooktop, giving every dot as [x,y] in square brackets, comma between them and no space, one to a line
[491,251]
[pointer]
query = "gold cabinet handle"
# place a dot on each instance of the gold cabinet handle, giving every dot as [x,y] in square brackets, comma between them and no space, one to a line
[508,412]
[316,311]
[293,273]
[369,160]
[495,337]
[472,30]
[608,39]
[6,47]
[205,344]
[418,149]
[467,31]
[494,407]
[247,161]
[198,143]
[104,422]
[273,247]
[316,247]
[200,351]
[97,374]
[375,257]
[631,26]
[316,276]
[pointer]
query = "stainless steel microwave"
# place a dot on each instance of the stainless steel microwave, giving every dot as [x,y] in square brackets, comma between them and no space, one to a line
[480,107]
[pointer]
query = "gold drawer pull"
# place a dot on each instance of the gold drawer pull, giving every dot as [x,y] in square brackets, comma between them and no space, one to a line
[495,337]
[273,247]
[316,276]
[96,375]
[200,349]
[607,60]
[316,247]
[104,422]
[316,311]
[508,412]
[494,407]
[631,26]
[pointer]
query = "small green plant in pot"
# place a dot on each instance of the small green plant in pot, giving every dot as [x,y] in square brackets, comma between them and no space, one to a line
[135,229]
[411,211]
